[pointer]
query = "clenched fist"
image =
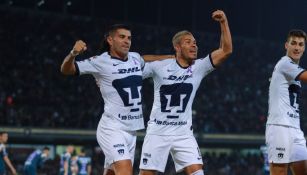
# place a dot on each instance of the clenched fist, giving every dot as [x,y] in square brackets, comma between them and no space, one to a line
[219,16]
[78,48]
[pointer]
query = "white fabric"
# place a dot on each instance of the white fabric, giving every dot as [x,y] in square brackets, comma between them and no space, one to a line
[285,144]
[174,92]
[116,144]
[120,84]
[284,93]
[184,151]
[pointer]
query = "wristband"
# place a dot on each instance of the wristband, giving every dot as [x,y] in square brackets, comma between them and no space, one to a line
[72,53]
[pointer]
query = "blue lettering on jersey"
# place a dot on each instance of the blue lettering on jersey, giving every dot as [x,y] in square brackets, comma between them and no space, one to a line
[180,78]
[129,70]
[175,97]
[129,90]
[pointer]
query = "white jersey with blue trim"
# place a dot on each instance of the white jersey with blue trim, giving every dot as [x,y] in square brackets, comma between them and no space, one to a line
[284,93]
[174,92]
[120,84]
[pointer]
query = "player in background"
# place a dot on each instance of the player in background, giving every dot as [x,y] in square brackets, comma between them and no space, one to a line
[35,160]
[65,162]
[175,84]
[118,74]
[4,159]
[84,163]
[284,138]
[266,164]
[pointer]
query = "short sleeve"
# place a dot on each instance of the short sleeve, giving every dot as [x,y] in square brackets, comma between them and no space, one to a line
[147,70]
[205,65]
[87,66]
[291,70]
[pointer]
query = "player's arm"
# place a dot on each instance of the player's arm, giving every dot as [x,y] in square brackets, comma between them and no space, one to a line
[68,65]
[149,58]
[65,167]
[303,77]
[89,169]
[9,164]
[222,53]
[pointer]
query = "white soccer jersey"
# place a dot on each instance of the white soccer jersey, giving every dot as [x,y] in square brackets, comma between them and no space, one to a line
[120,84]
[174,92]
[284,93]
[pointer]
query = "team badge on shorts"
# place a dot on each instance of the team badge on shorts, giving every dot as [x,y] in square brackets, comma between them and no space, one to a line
[280,155]
[145,161]
[121,151]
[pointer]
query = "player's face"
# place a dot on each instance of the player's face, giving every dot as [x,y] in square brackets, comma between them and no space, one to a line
[4,138]
[188,47]
[120,43]
[295,47]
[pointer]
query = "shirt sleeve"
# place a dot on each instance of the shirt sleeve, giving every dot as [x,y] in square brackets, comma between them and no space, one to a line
[291,70]
[205,65]
[147,70]
[87,66]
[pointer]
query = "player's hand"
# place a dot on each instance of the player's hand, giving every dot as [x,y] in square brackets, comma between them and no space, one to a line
[219,16]
[78,48]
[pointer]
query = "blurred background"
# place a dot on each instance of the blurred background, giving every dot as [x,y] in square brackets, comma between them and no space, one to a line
[40,107]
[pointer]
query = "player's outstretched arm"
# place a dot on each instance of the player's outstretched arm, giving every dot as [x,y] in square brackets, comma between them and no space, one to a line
[303,77]
[149,58]
[222,53]
[68,66]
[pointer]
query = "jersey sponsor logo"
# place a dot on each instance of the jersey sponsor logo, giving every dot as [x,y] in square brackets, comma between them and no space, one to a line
[172,123]
[177,78]
[129,90]
[293,115]
[130,117]
[127,71]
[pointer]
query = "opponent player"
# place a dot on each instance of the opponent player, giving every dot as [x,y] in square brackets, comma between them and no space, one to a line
[84,163]
[36,160]
[175,84]
[118,73]
[65,162]
[284,137]
[4,155]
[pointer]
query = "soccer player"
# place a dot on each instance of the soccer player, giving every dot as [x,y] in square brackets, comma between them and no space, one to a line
[118,74]
[65,162]
[4,155]
[284,137]
[36,160]
[266,164]
[84,163]
[175,84]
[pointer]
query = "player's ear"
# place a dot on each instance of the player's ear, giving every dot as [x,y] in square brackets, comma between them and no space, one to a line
[286,45]
[109,40]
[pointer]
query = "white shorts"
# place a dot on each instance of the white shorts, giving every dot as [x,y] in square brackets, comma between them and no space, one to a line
[184,151]
[285,144]
[116,145]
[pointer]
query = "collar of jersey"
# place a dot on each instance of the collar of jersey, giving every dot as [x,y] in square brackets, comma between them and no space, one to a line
[116,58]
[182,66]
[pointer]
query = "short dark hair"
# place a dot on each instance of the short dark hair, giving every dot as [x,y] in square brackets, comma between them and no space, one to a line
[46,148]
[110,31]
[3,132]
[297,33]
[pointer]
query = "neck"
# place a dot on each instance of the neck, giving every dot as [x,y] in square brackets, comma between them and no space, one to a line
[117,55]
[184,62]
